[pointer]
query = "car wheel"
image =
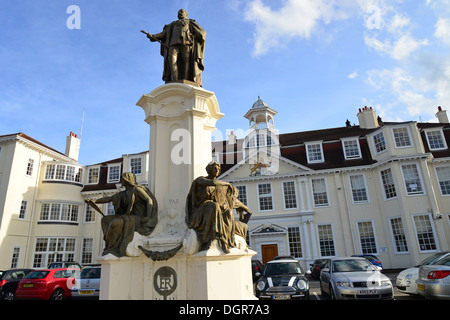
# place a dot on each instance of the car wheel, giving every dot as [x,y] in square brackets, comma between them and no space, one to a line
[332,294]
[58,294]
[9,295]
[322,292]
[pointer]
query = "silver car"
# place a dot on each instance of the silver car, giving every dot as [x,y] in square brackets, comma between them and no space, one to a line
[434,280]
[406,280]
[354,278]
[87,285]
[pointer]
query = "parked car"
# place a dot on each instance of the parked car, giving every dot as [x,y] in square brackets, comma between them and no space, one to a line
[257,269]
[283,279]
[434,280]
[9,279]
[64,264]
[354,278]
[49,284]
[87,285]
[406,279]
[316,266]
[372,258]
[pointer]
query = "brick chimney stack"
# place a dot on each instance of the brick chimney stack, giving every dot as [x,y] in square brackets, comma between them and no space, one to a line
[367,118]
[442,115]
[72,146]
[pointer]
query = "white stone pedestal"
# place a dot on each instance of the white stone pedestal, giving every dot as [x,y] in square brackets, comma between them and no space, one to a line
[183,277]
[181,118]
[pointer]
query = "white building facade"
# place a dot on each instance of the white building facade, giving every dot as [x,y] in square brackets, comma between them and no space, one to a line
[380,188]
[376,188]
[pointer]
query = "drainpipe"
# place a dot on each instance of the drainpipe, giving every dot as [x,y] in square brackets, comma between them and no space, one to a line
[348,213]
[36,184]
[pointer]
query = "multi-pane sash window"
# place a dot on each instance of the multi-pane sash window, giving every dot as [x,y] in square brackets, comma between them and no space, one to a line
[367,237]
[93,175]
[319,192]
[435,140]
[87,250]
[89,215]
[49,250]
[351,149]
[326,240]
[265,197]
[114,174]
[65,212]
[398,235]
[23,209]
[314,152]
[63,172]
[424,233]
[136,165]
[412,179]
[242,196]
[295,245]
[379,142]
[290,199]
[443,174]
[388,184]
[358,185]
[15,258]
[30,165]
[401,137]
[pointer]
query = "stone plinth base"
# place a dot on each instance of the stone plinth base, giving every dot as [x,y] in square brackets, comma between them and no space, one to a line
[202,276]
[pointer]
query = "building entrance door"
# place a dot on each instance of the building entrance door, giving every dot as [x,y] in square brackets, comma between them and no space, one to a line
[269,251]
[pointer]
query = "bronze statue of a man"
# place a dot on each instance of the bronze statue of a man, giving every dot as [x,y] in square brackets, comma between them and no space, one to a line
[183,47]
[209,210]
[136,209]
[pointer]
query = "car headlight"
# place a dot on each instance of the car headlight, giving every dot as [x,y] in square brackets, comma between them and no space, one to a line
[408,276]
[302,284]
[344,284]
[385,283]
[260,285]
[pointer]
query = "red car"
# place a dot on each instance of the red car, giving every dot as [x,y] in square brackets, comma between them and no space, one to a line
[50,284]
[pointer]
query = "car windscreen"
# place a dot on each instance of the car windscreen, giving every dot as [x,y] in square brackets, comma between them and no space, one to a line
[90,273]
[273,269]
[351,265]
[37,275]
[431,259]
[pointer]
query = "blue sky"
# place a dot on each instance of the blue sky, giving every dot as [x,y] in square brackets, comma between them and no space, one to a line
[314,61]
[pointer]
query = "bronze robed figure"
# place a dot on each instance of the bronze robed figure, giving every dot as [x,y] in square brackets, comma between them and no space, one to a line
[135,209]
[209,210]
[183,47]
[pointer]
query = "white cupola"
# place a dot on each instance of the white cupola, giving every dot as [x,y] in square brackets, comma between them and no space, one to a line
[260,116]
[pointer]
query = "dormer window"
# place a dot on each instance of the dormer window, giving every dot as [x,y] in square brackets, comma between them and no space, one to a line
[402,137]
[379,142]
[113,173]
[435,139]
[351,148]
[314,152]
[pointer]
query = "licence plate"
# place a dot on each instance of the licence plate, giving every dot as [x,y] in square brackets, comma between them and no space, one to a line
[368,292]
[420,287]
[86,291]
[28,285]
[281,297]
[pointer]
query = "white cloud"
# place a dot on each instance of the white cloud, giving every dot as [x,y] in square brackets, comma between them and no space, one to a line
[413,91]
[295,19]
[393,35]
[353,75]
[442,31]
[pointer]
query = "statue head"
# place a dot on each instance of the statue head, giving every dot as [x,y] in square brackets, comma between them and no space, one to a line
[182,14]
[129,178]
[213,168]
